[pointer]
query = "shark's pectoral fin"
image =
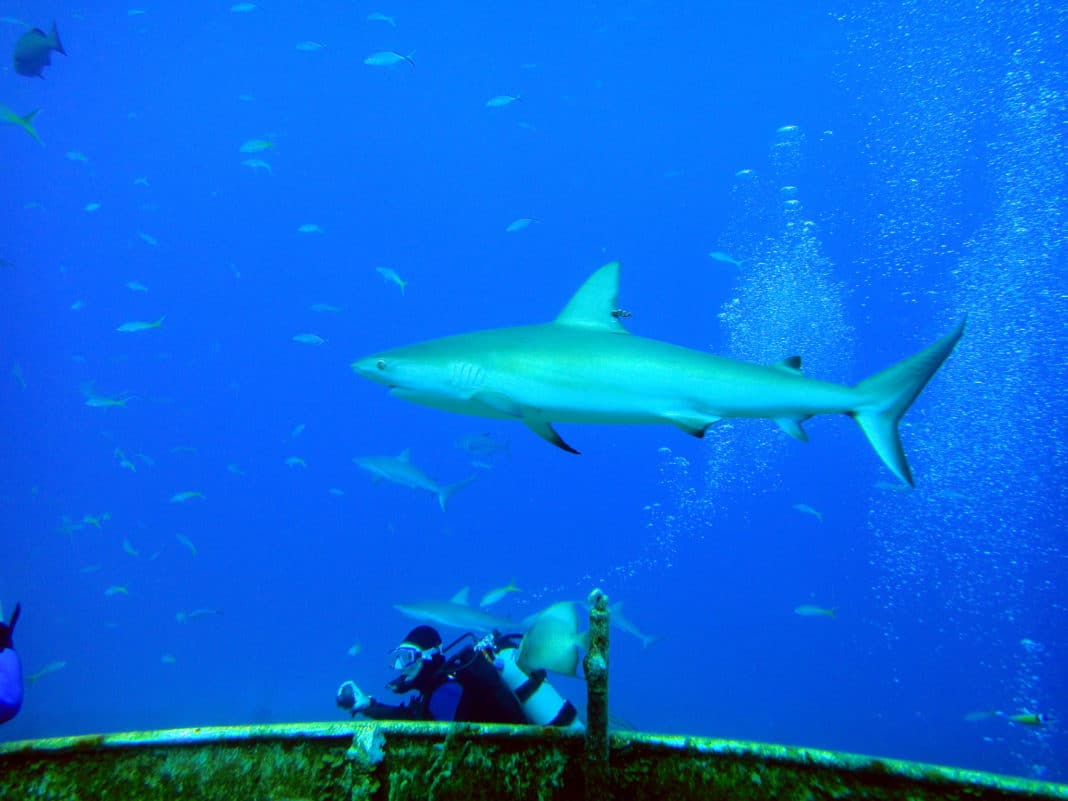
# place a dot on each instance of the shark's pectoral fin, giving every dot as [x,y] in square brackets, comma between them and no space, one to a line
[505,405]
[545,430]
[693,424]
[793,427]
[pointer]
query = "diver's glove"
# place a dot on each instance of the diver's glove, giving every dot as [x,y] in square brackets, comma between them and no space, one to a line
[352,698]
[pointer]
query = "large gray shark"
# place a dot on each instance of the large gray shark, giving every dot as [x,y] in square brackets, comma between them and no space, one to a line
[456,613]
[584,367]
[400,470]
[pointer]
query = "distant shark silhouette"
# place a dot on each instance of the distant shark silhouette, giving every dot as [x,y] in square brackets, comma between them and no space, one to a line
[584,367]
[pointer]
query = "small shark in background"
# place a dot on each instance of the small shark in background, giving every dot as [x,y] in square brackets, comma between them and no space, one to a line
[456,613]
[584,367]
[400,470]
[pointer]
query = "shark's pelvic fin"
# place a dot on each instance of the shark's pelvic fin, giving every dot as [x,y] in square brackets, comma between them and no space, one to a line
[592,306]
[694,425]
[886,396]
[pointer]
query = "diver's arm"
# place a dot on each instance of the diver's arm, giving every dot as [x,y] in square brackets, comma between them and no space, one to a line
[379,711]
[356,702]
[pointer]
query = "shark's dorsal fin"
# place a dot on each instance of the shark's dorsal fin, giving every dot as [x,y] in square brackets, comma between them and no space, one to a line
[404,455]
[592,306]
[462,597]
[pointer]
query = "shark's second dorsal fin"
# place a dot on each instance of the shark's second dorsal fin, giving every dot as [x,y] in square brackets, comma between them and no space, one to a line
[592,306]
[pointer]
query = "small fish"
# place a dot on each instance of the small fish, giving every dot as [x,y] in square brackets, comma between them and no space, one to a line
[493,596]
[233,468]
[185,617]
[378,16]
[519,225]
[389,275]
[309,339]
[117,589]
[387,58]
[148,239]
[324,307]
[355,649]
[97,521]
[90,569]
[1029,719]
[804,508]
[168,659]
[136,286]
[140,181]
[983,714]
[242,8]
[296,461]
[136,326]
[188,495]
[499,101]
[310,46]
[890,486]
[91,207]
[481,445]
[808,610]
[124,463]
[258,164]
[33,51]
[256,146]
[336,492]
[298,429]
[101,402]
[310,228]
[17,374]
[187,543]
[183,449]
[51,667]
[74,155]
[725,258]
[127,546]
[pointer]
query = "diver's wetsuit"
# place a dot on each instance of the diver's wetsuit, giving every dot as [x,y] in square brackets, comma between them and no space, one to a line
[465,689]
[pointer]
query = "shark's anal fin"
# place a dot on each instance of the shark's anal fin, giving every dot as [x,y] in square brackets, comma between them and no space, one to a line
[793,427]
[544,429]
[694,425]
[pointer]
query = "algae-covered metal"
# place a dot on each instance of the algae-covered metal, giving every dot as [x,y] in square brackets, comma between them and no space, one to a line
[440,761]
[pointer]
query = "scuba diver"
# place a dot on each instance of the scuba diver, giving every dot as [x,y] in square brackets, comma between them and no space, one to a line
[10,669]
[481,683]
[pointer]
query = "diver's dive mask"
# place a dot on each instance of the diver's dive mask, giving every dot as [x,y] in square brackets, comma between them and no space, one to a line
[407,656]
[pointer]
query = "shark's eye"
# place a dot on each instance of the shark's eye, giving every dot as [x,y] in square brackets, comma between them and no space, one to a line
[381,364]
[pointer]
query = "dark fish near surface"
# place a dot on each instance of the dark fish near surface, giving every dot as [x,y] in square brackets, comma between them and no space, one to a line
[33,51]
[10,671]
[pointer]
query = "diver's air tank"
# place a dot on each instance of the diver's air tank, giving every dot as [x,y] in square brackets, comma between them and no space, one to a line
[542,704]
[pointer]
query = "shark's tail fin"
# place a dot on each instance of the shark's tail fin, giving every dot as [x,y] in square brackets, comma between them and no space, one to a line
[446,492]
[886,396]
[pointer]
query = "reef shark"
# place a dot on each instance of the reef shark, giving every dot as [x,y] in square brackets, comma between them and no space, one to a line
[400,470]
[585,367]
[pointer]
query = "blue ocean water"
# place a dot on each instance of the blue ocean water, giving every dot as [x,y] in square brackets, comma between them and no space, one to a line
[877,170]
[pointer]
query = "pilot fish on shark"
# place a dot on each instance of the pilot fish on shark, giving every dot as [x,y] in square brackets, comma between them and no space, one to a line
[585,367]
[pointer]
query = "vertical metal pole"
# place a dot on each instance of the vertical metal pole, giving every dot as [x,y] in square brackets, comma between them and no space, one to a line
[595,668]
